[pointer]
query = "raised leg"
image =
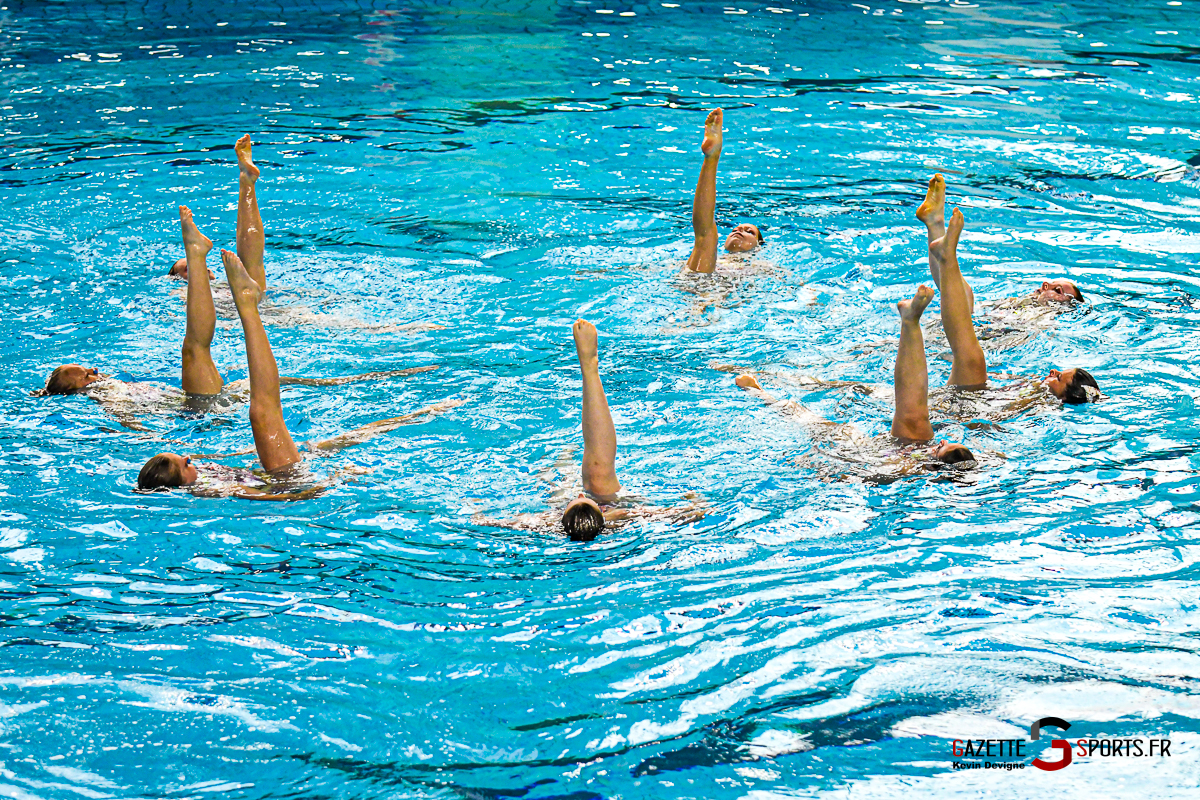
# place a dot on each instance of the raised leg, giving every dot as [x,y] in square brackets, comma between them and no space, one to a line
[271,438]
[704,203]
[970,367]
[199,373]
[933,213]
[910,420]
[599,435]
[251,240]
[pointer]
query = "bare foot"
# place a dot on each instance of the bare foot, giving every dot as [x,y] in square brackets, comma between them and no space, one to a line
[954,228]
[933,211]
[585,341]
[911,310]
[193,239]
[245,163]
[946,246]
[244,289]
[747,381]
[711,146]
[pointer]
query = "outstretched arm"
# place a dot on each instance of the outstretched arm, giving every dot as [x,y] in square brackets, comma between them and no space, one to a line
[704,204]
[970,366]
[249,493]
[599,434]
[371,430]
[199,373]
[814,422]
[366,376]
[271,438]
[933,213]
[694,510]
[910,420]
[797,379]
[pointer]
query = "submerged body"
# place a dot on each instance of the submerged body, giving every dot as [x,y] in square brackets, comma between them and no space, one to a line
[969,364]
[251,248]
[600,504]
[201,386]
[283,477]
[1007,323]
[1004,398]
[909,449]
[745,237]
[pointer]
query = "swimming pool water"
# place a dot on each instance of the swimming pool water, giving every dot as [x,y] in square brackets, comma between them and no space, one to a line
[501,168]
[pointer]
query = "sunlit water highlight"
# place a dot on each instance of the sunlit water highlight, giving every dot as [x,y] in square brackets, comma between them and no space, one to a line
[501,170]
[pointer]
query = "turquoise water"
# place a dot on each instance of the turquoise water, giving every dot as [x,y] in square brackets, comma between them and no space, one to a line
[495,169]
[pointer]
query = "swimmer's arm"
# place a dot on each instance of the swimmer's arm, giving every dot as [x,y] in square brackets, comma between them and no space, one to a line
[695,509]
[521,522]
[129,422]
[797,379]
[249,493]
[794,410]
[360,435]
[366,376]
[1021,403]
[622,514]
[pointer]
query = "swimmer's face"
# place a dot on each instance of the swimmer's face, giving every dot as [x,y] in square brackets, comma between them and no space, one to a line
[186,469]
[74,378]
[179,270]
[950,453]
[745,237]
[1057,382]
[1059,290]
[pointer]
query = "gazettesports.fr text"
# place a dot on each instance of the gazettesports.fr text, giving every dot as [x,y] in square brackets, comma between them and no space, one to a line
[1106,748]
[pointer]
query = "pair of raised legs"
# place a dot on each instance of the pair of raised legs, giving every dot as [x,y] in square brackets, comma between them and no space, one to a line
[247,281]
[199,373]
[271,438]
[969,369]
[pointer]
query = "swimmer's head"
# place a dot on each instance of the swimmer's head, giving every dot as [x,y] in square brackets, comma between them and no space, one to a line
[1059,290]
[166,471]
[582,519]
[1075,386]
[745,237]
[71,379]
[950,453]
[178,271]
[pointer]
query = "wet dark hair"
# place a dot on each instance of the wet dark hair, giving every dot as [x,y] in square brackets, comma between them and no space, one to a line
[176,273]
[1075,393]
[159,472]
[582,521]
[58,383]
[1078,294]
[958,455]
[761,240]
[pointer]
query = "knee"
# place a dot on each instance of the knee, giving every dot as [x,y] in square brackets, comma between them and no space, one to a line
[975,360]
[193,349]
[262,414]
